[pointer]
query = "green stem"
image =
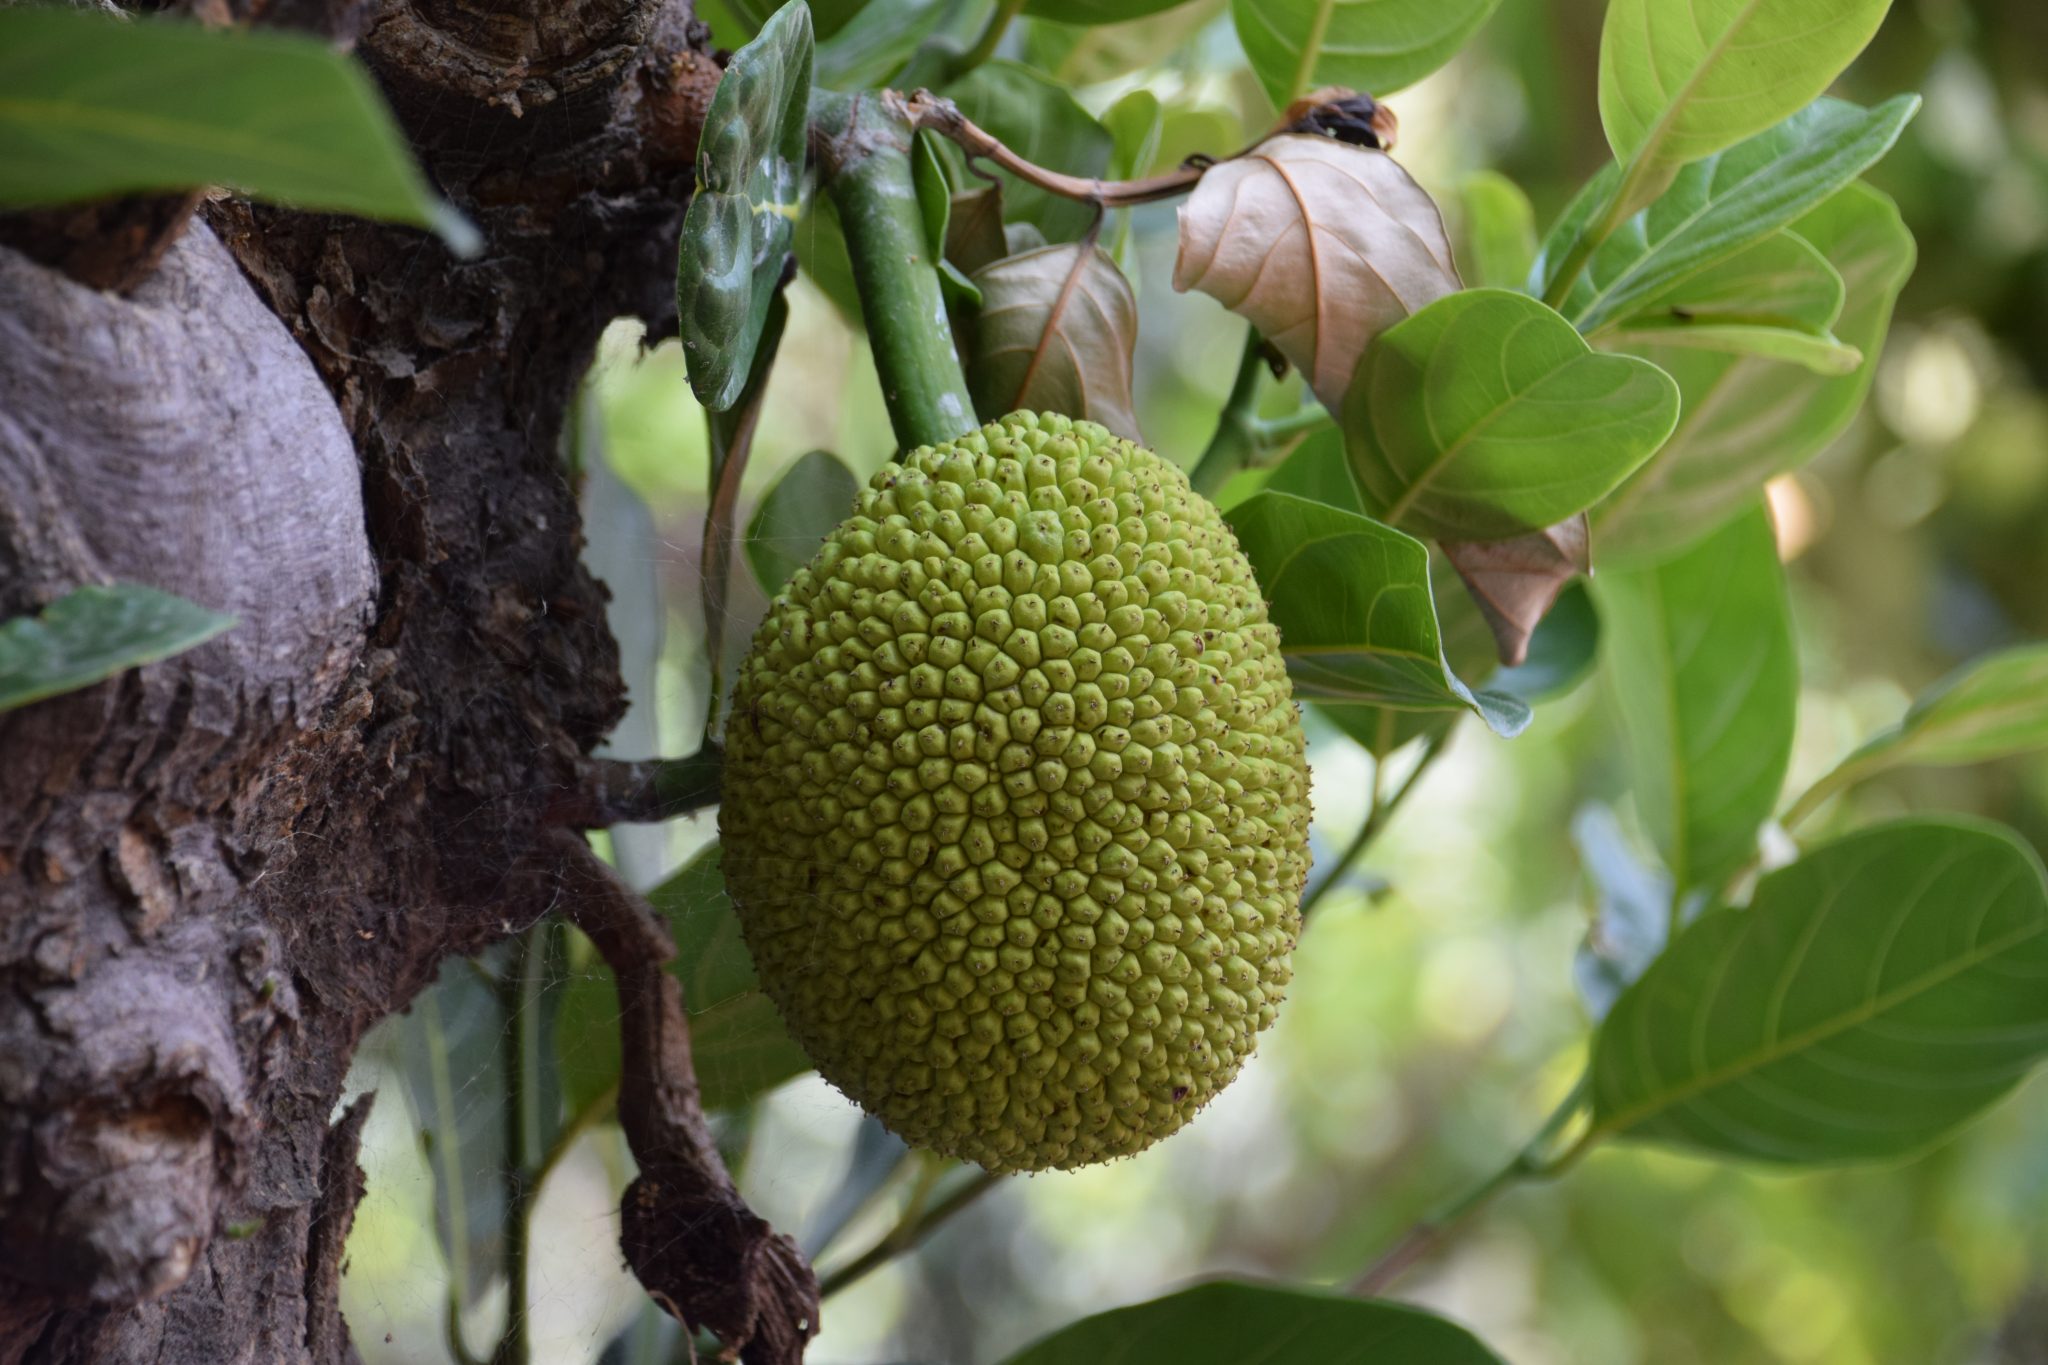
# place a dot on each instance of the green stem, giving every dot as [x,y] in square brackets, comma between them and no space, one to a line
[864,155]
[1534,1161]
[1271,433]
[1231,448]
[594,1111]
[1589,241]
[447,1174]
[519,1002]
[991,38]
[918,1223]
[1383,808]
[1837,781]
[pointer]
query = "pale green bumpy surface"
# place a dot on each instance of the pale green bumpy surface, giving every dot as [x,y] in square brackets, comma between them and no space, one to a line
[1016,807]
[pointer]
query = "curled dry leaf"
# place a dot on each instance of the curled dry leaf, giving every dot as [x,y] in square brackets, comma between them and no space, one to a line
[1321,245]
[1515,582]
[1056,333]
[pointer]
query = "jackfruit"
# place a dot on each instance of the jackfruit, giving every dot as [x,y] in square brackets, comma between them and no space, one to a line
[1015,810]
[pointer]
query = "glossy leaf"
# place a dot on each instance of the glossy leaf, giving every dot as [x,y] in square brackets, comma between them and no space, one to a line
[92,107]
[1485,416]
[1683,79]
[1706,680]
[1318,244]
[1513,582]
[1295,46]
[91,633]
[741,225]
[1633,908]
[1500,231]
[737,1040]
[811,497]
[1746,419]
[1057,332]
[1352,600]
[1037,118]
[1715,209]
[1234,1323]
[1995,707]
[1870,998]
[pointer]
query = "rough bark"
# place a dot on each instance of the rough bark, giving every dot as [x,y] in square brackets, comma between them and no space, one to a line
[218,872]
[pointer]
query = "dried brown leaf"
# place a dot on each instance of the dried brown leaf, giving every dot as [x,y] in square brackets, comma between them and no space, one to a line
[1516,581]
[1056,333]
[1320,244]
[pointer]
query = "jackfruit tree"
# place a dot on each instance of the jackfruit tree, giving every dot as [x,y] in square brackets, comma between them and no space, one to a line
[309,685]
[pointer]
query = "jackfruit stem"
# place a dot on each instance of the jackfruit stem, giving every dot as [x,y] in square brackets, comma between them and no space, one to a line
[863,153]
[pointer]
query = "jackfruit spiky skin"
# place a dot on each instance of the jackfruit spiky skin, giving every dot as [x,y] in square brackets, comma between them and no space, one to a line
[1016,805]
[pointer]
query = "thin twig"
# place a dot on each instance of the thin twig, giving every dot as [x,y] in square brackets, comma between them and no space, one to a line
[917,1224]
[1534,1161]
[1383,809]
[923,109]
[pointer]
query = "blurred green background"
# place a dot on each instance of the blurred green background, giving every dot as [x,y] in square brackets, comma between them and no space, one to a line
[1432,1021]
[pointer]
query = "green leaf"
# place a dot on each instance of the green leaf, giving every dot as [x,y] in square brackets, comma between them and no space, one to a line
[1352,600]
[1233,1323]
[1485,416]
[1747,419]
[1500,230]
[1871,997]
[1633,910]
[1683,79]
[1098,53]
[813,495]
[1994,707]
[1135,123]
[872,45]
[1295,46]
[1820,354]
[1780,280]
[1706,679]
[1716,208]
[91,106]
[1096,11]
[1037,118]
[741,224]
[737,1040]
[92,633]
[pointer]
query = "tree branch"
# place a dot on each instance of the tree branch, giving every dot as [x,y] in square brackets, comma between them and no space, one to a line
[699,1250]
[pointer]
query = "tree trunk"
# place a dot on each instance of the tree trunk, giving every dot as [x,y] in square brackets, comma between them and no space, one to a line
[218,872]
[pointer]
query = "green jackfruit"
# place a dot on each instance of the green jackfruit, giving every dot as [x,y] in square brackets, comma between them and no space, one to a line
[1016,805]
